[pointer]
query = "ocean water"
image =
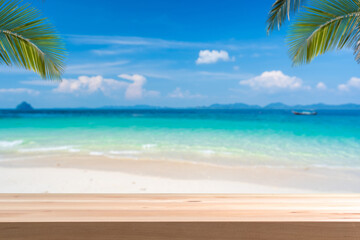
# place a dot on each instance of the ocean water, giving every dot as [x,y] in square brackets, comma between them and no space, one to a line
[273,138]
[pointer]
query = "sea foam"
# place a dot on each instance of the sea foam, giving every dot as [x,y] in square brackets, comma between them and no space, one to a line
[47,149]
[96,153]
[10,144]
[125,152]
[148,146]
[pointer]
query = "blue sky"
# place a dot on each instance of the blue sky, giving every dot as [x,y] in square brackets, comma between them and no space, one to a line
[177,53]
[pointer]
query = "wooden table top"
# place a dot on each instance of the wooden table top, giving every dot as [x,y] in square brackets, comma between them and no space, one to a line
[178,208]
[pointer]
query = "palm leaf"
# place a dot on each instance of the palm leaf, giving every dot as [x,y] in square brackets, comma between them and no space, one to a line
[281,11]
[324,26]
[29,41]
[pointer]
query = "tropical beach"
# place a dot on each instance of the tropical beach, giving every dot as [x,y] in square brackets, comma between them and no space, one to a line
[181,120]
[179,150]
[134,97]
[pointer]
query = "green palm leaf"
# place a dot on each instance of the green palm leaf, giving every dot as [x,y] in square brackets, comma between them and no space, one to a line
[323,26]
[29,41]
[281,11]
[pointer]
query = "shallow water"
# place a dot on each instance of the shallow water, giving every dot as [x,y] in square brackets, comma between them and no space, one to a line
[273,138]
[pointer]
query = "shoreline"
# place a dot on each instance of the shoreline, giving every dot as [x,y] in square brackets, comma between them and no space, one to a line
[99,174]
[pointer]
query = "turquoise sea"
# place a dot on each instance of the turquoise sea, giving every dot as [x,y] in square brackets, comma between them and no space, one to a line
[273,138]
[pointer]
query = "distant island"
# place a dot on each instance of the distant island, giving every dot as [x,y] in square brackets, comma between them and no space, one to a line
[238,106]
[318,106]
[24,106]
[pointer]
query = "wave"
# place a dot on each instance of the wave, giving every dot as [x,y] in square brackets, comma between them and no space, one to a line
[125,152]
[49,149]
[10,144]
[148,146]
[96,153]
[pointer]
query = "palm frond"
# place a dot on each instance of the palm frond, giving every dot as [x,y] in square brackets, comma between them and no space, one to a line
[29,41]
[324,26]
[280,11]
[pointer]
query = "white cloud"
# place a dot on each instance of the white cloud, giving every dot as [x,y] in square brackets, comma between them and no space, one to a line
[89,85]
[207,56]
[352,83]
[321,86]
[343,87]
[85,84]
[273,80]
[135,89]
[19,90]
[178,93]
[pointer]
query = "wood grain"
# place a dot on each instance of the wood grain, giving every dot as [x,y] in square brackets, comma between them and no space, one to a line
[184,216]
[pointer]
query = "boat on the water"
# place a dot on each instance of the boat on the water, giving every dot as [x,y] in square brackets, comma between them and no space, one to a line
[304,113]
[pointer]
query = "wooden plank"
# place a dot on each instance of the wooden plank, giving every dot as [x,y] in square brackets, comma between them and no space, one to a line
[177,208]
[185,216]
[180,231]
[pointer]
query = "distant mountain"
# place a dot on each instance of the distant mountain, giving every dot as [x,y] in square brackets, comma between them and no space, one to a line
[24,106]
[278,106]
[322,106]
[282,106]
[233,106]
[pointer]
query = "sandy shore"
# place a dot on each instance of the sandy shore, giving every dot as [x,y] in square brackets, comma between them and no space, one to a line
[99,174]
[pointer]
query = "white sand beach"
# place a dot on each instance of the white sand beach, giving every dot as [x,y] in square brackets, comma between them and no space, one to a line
[99,174]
